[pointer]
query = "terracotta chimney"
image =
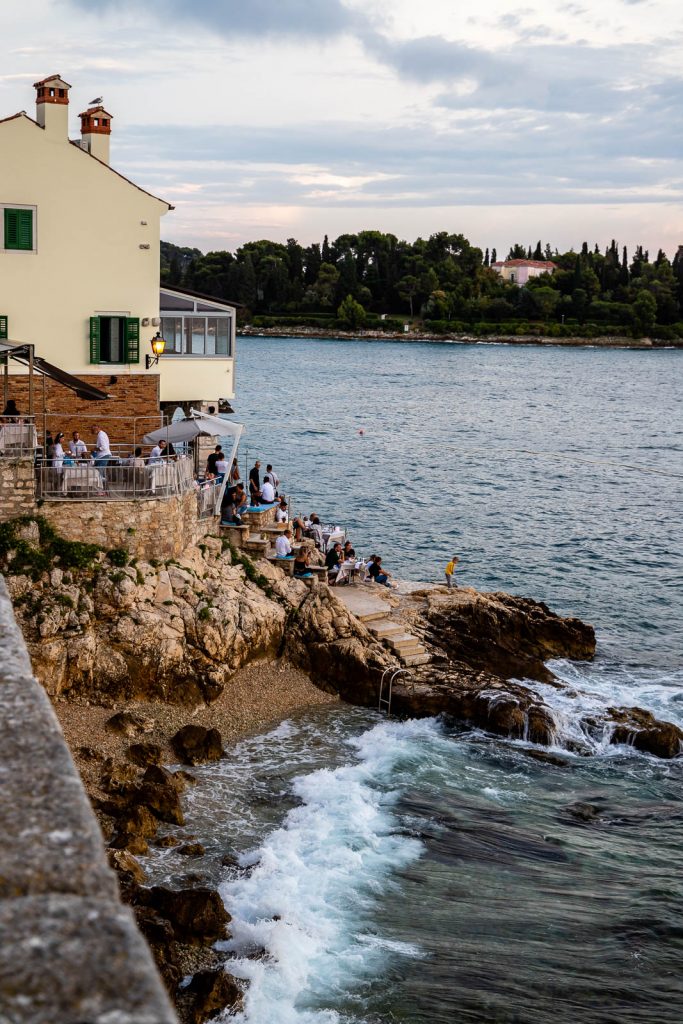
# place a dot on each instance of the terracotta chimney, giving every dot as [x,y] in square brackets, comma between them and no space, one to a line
[95,132]
[52,106]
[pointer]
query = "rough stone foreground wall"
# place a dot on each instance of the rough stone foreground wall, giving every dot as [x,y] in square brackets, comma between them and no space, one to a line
[131,412]
[70,951]
[17,488]
[149,529]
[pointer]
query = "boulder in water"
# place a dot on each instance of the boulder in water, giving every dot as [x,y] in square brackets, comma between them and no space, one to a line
[194,744]
[213,991]
[197,916]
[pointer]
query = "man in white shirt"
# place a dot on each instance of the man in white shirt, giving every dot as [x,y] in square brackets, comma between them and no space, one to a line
[283,547]
[282,512]
[78,448]
[267,492]
[102,450]
[157,453]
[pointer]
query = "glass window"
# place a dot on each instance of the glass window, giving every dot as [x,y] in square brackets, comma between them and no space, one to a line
[198,335]
[172,333]
[211,336]
[223,336]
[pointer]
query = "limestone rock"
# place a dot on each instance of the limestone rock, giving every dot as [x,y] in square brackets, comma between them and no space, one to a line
[213,991]
[128,723]
[197,916]
[117,777]
[127,866]
[194,744]
[192,850]
[144,754]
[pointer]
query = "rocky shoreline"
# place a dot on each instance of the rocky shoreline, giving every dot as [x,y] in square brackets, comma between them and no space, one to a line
[150,664]
[304,333]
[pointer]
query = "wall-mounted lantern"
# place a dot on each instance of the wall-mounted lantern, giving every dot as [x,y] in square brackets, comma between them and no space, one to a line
[158,345]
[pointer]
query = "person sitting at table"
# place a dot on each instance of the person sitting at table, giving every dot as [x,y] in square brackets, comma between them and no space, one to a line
[333,561]
[102,450]
[267,492]
[282,512]
[58,451]
[301,563]
[10,412]
[158,453]
[77,447]
[137,460]
[283,544]
[213,458]
[377,573]
[309,527]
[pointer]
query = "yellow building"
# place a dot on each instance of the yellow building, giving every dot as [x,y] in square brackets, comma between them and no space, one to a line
[79,262]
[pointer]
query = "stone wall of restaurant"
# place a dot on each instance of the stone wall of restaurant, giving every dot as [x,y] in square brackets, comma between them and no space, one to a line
[155,528]
[73,952]
[17,488]
[131,412]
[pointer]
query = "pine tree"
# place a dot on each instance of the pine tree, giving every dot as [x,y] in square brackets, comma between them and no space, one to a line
[486,258]
[494,256]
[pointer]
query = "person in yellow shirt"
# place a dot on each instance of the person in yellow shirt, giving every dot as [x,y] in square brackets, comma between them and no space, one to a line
[450,572]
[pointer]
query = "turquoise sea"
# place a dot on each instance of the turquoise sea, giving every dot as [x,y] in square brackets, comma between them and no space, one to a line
[405,872]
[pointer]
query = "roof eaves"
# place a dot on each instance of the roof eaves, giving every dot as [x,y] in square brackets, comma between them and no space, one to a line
[199,295]
[19,113]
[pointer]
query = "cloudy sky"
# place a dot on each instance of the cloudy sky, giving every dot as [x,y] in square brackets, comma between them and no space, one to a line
[279,118]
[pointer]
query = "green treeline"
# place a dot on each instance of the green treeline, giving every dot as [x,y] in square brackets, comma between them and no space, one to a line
[443,281]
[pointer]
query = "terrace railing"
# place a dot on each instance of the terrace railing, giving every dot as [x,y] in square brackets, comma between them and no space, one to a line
[18,439]
[115,481]
[207,496]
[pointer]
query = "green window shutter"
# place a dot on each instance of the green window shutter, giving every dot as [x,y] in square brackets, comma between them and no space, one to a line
[18,229]
[94,339]
[132,354]
[3,327]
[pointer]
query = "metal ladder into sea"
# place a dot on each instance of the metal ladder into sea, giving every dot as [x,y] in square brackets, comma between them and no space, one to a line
[385,702]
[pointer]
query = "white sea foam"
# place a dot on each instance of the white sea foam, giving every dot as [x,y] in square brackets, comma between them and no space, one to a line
[308,903]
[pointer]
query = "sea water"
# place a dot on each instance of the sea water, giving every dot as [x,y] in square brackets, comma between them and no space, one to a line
[382,871]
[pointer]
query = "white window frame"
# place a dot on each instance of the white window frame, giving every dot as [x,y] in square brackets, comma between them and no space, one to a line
[34,226]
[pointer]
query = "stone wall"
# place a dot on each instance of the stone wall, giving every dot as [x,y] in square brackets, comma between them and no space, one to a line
[131,412]
[17,488]
[72,951]
[157,528]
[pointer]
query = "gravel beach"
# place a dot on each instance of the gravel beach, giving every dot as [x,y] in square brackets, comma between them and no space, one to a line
[257,697]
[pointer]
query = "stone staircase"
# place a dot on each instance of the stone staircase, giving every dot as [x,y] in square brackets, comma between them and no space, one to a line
[408,649]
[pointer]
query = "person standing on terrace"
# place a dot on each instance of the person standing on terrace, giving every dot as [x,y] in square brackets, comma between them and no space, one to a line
[102,451]
[255,483]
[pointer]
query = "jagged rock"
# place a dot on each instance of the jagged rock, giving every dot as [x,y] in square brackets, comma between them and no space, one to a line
[144,754]
[192,850]
[193,744]
[197,916]
[213,991]
[127,866]
[127,723]
[163,801]
[117,777]
[158,776]
[159,934]
[642,730]
[165,842]
[136,845]
[510,637]
[137,821]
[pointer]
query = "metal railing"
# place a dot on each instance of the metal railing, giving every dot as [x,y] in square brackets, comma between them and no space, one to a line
[18,438]
[207,496]
[114,480]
